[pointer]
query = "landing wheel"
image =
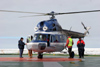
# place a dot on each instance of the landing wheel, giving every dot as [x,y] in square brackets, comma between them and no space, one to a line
[40,55]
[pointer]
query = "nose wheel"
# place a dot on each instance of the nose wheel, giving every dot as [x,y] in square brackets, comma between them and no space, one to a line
[40,55]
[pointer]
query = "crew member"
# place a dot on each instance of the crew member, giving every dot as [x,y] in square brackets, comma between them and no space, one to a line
[48,42]
[69,44]
[29,39]
[81,45]
[21,46]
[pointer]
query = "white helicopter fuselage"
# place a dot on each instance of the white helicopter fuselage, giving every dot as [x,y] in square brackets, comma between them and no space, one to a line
[37,45]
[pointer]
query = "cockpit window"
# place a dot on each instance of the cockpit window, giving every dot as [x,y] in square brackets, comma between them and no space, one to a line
[40,38]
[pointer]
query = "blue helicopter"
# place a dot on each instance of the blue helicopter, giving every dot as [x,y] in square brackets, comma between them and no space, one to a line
[49,35]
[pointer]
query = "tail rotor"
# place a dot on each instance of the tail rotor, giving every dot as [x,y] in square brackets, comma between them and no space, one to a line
[86,28]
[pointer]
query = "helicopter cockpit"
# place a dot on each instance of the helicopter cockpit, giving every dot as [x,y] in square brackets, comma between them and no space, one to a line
[52,38]
[40,38]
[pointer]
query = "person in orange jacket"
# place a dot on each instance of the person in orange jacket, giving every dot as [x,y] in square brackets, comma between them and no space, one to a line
[81,45]
[69,44]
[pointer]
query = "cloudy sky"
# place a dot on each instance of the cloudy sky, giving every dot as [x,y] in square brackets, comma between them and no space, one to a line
[11,25]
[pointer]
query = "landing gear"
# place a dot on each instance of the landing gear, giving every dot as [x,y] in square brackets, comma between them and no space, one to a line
[40,55]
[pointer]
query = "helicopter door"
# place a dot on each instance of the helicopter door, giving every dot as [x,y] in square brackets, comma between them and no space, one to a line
[56,42]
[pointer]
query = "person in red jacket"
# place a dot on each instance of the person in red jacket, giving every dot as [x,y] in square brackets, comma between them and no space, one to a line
[81,45]
[69,44]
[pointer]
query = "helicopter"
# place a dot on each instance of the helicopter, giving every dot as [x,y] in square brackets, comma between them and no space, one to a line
[49,35]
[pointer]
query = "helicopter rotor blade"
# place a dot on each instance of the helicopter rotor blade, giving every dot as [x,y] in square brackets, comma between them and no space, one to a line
[32,16]
[84,26]
[20,12]
[49,14]
[78,12]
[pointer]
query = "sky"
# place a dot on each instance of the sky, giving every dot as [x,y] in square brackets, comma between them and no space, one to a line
[12,27]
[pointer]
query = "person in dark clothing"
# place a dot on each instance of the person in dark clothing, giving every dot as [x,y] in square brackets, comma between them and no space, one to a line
[81,45]
[48,42]
[21,46]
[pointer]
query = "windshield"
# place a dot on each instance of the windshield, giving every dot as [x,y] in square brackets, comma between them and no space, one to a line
[40,38]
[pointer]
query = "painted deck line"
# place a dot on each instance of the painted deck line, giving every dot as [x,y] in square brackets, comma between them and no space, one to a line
[34,59]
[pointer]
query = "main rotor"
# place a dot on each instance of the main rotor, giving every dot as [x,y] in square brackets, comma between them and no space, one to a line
[52,14]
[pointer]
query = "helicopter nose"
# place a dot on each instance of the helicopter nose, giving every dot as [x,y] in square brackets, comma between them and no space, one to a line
[42,46]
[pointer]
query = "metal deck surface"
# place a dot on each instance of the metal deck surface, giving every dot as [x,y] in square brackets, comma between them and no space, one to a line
[48,61]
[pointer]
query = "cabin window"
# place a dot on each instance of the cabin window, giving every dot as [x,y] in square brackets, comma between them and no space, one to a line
[54,29]
[40,38]
[42,23]
[53,24]
[55,38]
[58,38]
[64,38]
[61,38]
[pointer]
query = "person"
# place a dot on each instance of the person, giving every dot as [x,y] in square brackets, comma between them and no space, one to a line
[48,42]
[21,46]
[29,39]
[81,45]
[56,40]
[69,44]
